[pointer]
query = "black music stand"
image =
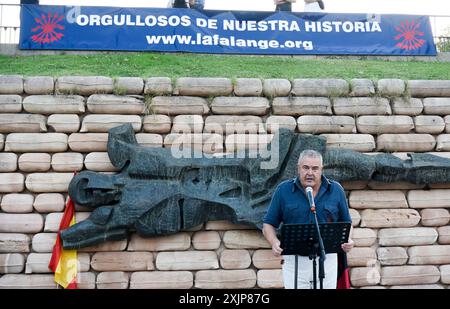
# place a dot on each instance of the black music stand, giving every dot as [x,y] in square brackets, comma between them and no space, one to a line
[301,239]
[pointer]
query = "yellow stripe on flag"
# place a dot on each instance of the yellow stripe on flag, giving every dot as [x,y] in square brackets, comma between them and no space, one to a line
[66,272]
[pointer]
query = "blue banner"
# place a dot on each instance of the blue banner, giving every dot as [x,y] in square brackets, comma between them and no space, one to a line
[223,32]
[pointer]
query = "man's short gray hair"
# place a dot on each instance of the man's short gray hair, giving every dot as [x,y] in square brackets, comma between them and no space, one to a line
[309,153]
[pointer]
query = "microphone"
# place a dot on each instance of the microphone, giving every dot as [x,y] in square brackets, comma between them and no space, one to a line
[309,194]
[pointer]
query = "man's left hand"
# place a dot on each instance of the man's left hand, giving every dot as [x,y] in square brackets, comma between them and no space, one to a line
[348,245]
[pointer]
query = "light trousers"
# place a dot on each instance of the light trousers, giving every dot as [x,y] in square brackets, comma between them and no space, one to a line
[305,272]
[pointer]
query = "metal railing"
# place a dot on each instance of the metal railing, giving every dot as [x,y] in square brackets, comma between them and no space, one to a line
[443,43]
[9,23]
[9,35]
[441,32]
[10,27]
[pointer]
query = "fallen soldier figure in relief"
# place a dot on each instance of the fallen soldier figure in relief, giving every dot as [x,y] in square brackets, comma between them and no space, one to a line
[157,194]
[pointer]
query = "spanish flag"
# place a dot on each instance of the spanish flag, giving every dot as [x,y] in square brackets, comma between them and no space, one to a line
[64,263]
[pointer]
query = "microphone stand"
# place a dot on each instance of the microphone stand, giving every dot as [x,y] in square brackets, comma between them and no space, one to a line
[322,256]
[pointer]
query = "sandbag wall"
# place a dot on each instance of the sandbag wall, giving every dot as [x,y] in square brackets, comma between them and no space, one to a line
[50,128]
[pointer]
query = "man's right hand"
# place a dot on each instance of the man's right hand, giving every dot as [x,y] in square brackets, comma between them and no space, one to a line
[271,237]
[276,249]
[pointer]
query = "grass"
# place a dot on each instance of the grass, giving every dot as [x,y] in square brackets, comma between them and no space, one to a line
[231,66]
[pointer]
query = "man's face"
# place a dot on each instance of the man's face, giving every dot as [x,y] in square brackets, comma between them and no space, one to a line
[310,172]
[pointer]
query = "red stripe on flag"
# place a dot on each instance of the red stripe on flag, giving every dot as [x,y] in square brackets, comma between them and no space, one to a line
[72,285]
[343,280]
[69,212]
[56,254]
[62,261]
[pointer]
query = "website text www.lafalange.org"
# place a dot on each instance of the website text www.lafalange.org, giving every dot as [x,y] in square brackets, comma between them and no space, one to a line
[222,39]
[231,41]
[201,39]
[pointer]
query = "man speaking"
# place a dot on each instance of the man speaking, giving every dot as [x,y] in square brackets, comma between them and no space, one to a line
[290,205]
